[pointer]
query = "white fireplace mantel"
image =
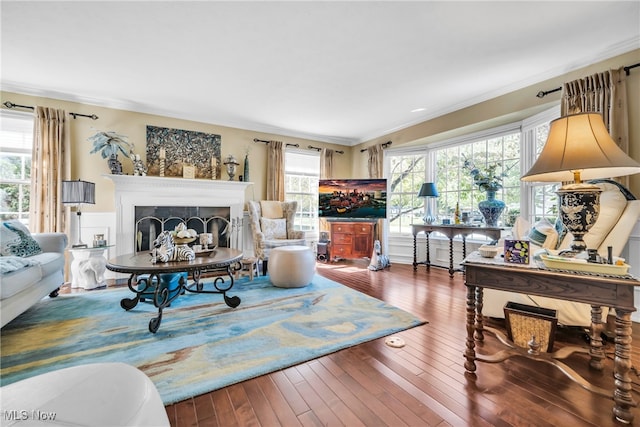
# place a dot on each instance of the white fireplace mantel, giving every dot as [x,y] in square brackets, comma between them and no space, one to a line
[132,191]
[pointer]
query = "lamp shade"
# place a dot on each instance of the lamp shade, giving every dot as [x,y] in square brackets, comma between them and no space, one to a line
[76,192]
[428,189]
[580,143]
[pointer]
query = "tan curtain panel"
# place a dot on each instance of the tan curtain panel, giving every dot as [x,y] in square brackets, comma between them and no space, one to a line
[275,171]
[326,163]
[374,162]
[50,165]
[604,93]
[374,165]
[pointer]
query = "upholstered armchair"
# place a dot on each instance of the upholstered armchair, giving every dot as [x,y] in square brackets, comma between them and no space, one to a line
[272,226]
[619,212]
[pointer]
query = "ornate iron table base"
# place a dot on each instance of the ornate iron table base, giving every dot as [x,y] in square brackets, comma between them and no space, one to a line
[155,280]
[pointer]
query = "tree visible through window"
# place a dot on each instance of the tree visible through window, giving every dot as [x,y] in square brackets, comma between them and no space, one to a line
[302,172]
[512,149]
[16,139]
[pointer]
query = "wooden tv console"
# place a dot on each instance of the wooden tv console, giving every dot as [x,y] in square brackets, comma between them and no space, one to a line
[352,239]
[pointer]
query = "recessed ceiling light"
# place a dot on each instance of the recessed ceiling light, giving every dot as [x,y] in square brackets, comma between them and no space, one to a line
[417,110]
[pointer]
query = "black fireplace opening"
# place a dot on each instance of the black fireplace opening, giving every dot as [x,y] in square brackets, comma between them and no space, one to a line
[150,221]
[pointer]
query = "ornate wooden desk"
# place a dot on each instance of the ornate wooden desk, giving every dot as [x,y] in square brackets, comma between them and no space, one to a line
[145,278]
[598,291]
[450,231]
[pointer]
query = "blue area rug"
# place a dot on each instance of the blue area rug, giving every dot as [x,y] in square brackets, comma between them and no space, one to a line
[202,345]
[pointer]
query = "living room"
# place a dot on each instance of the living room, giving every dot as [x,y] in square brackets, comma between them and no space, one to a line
[509,106]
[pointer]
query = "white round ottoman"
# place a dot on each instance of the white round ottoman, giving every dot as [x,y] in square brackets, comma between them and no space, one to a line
[291,266]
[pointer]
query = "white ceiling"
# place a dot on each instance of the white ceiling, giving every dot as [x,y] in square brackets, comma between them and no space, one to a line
[342,72]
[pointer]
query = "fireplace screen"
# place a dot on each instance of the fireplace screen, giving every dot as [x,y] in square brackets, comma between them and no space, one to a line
[153,220]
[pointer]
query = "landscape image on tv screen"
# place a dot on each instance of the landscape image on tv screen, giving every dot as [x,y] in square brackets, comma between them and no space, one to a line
[352,198]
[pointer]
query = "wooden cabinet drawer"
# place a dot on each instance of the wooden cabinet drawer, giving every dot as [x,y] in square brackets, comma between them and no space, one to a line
[362,228]
[342,239]
[342,228]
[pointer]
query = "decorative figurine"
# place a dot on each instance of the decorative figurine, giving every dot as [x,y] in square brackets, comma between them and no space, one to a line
[139,168]
[231,163]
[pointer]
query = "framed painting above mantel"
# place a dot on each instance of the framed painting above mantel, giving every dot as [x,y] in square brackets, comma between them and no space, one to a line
[180,148]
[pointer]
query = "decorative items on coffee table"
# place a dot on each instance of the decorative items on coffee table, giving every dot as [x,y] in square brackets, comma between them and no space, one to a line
[489,181]
[173,245]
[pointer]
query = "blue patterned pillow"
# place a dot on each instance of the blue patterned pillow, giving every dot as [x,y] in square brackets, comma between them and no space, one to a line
[15,239]
[544,234]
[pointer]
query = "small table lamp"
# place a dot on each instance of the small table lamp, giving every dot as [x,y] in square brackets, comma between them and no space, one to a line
[428,191]
[579,147]
[77,193]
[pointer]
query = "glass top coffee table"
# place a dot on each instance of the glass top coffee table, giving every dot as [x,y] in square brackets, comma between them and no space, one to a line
[153,279]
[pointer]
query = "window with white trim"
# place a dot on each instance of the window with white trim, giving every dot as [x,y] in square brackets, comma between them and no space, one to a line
[16,141]
[513,148]
[301,176]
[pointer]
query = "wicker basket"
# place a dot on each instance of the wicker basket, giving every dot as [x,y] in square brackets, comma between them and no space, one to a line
[525,321]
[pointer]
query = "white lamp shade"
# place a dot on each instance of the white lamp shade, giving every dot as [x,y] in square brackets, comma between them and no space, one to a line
[580,143]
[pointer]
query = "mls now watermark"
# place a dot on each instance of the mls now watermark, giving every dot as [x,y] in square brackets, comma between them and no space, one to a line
[24,415]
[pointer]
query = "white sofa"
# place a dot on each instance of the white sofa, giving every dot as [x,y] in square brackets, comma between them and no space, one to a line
[618,215]
[42,275]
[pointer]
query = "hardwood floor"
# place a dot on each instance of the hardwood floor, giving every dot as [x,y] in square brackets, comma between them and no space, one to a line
[420,384]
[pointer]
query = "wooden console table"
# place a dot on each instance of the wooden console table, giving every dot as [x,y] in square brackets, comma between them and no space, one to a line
[450,231]
[596,290]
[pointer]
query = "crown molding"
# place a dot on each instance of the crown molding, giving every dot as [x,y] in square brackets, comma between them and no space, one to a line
[600,56]
[115,104]
[127,105]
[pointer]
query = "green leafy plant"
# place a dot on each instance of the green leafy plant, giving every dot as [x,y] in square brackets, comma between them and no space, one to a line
[109,144]
[486,179]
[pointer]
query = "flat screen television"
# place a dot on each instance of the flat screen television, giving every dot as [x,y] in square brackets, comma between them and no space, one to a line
[352,198]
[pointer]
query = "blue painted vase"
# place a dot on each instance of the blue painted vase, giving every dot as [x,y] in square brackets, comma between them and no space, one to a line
[491,209]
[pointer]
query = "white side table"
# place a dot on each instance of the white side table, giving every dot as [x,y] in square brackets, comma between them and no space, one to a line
[88,267]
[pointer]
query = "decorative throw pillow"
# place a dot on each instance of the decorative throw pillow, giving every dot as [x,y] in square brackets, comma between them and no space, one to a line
[271,209]
[613,202]
[561,230]
[544,234]
[274,228]
[15,239]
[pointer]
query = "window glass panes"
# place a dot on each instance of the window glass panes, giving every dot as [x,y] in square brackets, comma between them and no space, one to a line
[302,172]
[16,139]
[509,151]
[406,176]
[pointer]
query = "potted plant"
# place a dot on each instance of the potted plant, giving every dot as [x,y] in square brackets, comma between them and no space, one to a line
[109,144]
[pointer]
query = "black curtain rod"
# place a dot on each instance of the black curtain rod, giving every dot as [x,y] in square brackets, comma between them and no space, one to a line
[311,147]
[266,142]
[74,115]
[626,69]
[385,145]
[293,145]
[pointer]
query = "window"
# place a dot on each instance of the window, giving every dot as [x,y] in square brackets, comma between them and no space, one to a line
[301,175]
[542,201]
[513,148]
[16,139]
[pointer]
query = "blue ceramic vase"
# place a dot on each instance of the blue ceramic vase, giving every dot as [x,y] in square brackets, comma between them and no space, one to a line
[491,209]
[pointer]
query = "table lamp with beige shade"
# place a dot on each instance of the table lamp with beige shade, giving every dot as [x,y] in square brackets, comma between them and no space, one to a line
[579,148]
